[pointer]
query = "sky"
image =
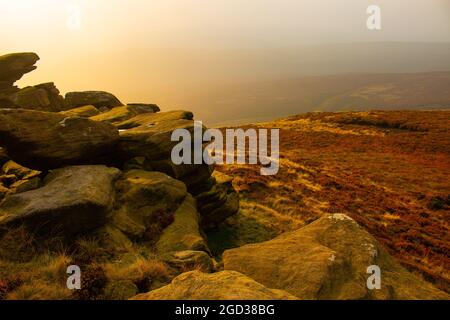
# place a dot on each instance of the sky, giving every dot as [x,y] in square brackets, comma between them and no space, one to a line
[152,49]
[45,25]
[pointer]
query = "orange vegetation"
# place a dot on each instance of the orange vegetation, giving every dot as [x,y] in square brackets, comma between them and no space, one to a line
[389,170]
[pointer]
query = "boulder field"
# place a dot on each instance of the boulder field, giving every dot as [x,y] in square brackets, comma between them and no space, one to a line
[86,168]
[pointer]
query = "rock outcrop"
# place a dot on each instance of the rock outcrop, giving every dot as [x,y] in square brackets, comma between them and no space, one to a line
[225,285]
[45,140]
[73,200]
[99,99]
[145,198]
[327,259]
[12,68]
[189,260]
[84,111]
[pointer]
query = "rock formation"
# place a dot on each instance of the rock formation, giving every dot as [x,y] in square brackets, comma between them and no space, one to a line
[99,99]
[327,259]
[225,285]
[73,200]
[12,68]
[46,140]
[97,173]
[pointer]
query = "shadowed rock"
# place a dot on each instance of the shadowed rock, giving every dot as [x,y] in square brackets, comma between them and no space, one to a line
[146,201]
[14,65]
[184,232]
[219,202]
[44,140]
[73,200]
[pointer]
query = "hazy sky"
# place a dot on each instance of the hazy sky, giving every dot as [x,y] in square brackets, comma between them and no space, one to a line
[42,25]
[173,51]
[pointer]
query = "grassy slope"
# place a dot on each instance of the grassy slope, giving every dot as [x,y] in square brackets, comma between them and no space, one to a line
[390,171]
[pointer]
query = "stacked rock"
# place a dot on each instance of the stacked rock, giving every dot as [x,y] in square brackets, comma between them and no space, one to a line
[89,164]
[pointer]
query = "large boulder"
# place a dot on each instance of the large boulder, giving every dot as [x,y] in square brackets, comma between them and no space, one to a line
[328,259]
[45,140]
[149,136]
[225,285]
[184,233]
[73,200]
[148,120]
[98,99]
[44,97]
[3,156]
[146,203]
[153,142]
[122,113]
[14,65]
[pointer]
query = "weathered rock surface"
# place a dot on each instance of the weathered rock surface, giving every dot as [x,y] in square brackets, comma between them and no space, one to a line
[225,285]
[153,142]
[98,99]
[84,111]
[148,120]
[119,114]
[45,140]
[150,138]
[189,260]
[184,232]
[43,97]
[218,203]
[12,67]
[146,200]
[73,200]
[327,259]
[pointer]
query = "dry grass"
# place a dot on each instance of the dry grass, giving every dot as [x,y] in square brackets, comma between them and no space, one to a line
[390,171]
[137,271]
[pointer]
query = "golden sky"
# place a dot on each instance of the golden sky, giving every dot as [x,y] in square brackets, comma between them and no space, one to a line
[139,49]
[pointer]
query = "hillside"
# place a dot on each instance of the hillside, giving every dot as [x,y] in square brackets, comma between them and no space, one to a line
[341,92]
[388,170]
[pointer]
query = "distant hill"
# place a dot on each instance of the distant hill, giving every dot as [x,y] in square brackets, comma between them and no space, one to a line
[357,92]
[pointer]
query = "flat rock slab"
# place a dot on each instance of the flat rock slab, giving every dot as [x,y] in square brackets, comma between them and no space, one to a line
[225,285]
[98,99]
[73,200]
[327,259]
[45,140]
[184,232]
